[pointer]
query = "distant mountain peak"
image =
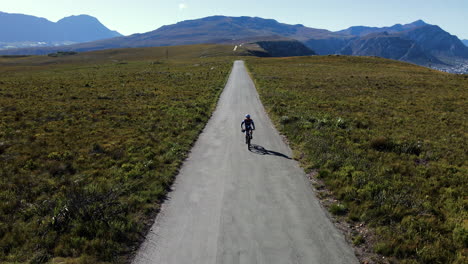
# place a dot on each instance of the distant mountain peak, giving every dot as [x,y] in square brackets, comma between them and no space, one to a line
[419,23]
[74,29]
[80,19]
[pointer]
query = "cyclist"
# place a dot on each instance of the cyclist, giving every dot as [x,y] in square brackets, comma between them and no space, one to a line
[249,125]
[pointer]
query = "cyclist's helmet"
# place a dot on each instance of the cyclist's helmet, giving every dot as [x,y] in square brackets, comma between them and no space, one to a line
[247,116]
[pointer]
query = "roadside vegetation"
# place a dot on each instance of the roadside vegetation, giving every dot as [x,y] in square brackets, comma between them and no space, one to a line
[389,139]
[90,143]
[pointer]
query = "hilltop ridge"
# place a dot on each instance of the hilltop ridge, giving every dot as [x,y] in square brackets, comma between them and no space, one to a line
[364,30]
[417,42]
[27,31]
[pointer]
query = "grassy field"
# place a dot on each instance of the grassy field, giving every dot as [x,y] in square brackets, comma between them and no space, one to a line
[90,143]
[389,139]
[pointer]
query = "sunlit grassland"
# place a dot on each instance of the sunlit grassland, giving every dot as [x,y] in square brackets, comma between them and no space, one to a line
[389,139]
[90,143]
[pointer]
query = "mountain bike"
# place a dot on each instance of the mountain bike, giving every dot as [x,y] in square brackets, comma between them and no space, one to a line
[248,137]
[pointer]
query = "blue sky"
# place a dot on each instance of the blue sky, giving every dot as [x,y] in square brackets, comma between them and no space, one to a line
[138,16]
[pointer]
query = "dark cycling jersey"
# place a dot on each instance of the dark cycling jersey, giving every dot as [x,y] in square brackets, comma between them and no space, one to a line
[249,124]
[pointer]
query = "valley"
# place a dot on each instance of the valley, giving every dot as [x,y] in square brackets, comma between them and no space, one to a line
[458,66]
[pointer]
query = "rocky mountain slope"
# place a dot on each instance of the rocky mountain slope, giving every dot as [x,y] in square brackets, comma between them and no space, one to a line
[417,42]
[437,42]
[278,48]
[389,46]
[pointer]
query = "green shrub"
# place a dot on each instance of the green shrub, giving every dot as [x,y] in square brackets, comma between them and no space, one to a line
[381,143]
[338,209]
[383,248]
[358,240]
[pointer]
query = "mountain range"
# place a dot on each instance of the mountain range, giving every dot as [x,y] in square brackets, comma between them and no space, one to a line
[465,41]
[417,42]
[23,30]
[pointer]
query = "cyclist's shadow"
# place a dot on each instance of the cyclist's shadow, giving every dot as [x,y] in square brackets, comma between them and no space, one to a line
[257,149]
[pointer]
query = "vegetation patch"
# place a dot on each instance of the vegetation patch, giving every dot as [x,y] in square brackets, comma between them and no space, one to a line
[89,147]
[387,138]
[62,53]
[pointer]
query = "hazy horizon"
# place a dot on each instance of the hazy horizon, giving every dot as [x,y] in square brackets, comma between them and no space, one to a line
[140,16]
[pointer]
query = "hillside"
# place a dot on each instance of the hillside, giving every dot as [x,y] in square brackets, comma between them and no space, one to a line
[465,41]
[384,143]
[31,30]
[417,42]
[116,56]
[83,28]
[437,42]
[278,48]
[389,46]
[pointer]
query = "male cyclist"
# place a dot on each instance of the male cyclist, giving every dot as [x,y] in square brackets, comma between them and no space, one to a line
[249,125]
